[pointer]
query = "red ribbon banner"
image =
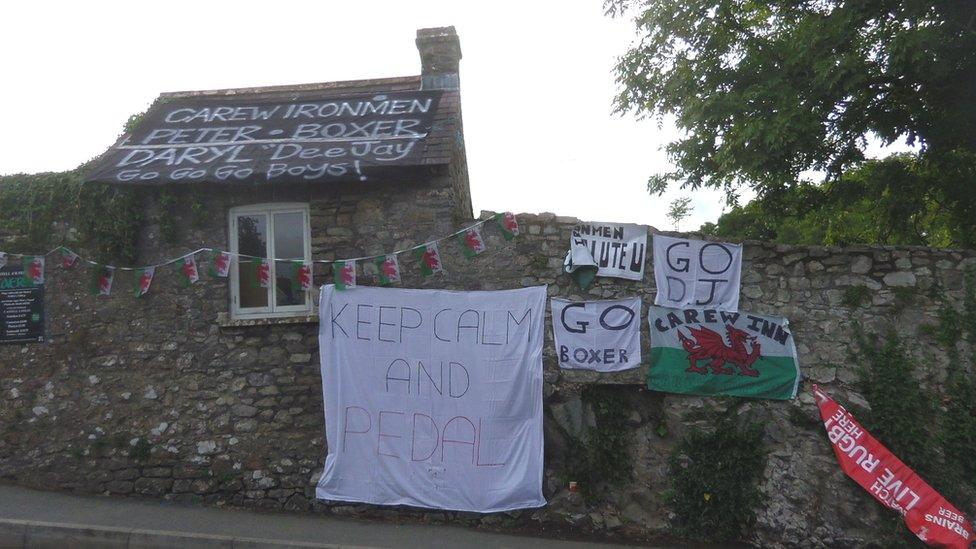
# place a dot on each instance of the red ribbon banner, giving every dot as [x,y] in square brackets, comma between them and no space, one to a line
[927,514]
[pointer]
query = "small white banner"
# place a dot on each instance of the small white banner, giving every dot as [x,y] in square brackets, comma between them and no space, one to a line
[697,274]
[597,335]
[433,398]
[617,249]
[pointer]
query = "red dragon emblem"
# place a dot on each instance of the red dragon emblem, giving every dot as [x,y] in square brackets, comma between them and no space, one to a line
[705,344]
[474,242]
[432,259]
[348,274]
[305,277]
[222,263]
[263,274]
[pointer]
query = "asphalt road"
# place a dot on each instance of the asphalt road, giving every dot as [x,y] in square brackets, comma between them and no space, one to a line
[102,516]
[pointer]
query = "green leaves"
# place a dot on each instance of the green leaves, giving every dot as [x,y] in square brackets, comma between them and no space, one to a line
[764,91]
[715,481]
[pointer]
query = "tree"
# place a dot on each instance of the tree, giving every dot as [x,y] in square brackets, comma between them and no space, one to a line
[765,91]
[679,209]
[881,201]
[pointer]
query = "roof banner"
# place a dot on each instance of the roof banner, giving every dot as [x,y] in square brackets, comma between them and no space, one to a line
[241,139]
[927,514]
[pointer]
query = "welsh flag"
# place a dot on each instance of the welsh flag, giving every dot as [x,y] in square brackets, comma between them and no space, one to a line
[102,278]
[3,259]
[144,278]
[709,352]
[219,263]
[34,269]
[389,269]
[68,258]
[429,257]
[471,242]
[262,273]
[188,271]
[508,224]
[344,274]
[302,275]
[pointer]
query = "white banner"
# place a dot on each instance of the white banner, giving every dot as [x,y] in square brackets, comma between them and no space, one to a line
[617,249]
[697,274]
[433,398]
[597,335]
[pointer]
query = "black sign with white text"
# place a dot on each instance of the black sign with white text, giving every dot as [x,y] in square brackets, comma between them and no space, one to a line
[21,308]
[235,139]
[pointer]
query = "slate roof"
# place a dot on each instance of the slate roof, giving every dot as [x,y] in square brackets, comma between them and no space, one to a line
[440,141]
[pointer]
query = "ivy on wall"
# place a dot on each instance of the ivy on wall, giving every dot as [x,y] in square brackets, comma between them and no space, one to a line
[41,211]
[933,432]
[715,478]
[601,459]
[44,210]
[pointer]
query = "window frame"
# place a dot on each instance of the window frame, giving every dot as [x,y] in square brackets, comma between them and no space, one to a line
[272,310]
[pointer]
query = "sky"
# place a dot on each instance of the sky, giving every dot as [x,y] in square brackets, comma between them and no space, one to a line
[536,86]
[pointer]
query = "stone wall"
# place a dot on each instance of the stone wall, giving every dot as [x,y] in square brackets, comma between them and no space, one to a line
[164,397]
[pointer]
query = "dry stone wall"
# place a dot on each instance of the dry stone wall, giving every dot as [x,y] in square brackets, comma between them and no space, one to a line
[164,397]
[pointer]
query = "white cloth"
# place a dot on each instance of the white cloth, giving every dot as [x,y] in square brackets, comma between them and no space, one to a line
[433,398]
[617,249]
[597,335]
[697,274]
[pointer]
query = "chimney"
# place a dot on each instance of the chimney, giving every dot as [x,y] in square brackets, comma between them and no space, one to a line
[440,55]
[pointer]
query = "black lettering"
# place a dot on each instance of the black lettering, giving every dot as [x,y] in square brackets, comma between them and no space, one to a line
[701,258]
[603,317]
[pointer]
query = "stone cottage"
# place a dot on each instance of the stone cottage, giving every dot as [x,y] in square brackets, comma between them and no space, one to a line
[211,392]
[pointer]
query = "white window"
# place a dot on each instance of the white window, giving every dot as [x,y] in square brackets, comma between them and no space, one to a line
[279,231]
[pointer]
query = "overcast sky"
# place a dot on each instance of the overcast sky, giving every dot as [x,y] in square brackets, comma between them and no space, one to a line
[536,85]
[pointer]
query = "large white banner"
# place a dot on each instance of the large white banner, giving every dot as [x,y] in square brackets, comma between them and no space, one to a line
[597,335]
[697,274]
[617,249]
[433,398]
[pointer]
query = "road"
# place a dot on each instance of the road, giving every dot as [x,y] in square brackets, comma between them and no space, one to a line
[31,518]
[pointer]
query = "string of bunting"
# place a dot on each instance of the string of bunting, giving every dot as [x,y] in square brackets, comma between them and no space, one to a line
[344,270]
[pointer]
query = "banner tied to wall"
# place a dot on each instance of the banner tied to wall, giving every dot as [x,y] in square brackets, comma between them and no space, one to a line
[927,514]
[616,249]
[433,398]
[307,137]
[710,352]
[597,335]
[696,273]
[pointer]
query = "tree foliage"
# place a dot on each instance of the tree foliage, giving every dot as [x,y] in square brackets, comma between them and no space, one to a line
[896,201]
[679,209]
[765,91]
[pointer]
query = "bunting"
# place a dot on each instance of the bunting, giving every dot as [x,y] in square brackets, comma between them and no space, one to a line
[219,262]
[144,278]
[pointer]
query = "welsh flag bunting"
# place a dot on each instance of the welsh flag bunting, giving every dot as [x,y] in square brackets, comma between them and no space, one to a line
[34,269]
[508,224]
[102,278]
[262,273]
[471,242]
[144,278]
[188,270]
[3,259]
[68,258]
[302,275]
[219,263]
[429,257]
[344,274]
[389,269]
